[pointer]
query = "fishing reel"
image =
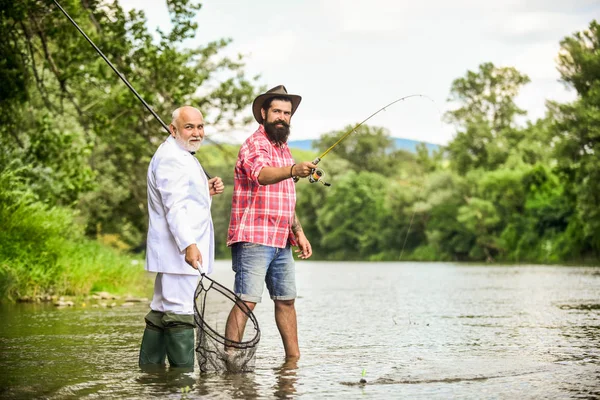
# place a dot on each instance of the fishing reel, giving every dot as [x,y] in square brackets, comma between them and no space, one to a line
[316,175]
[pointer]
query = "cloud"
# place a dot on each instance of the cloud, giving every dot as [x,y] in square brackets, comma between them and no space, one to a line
[348,58]
[528,27]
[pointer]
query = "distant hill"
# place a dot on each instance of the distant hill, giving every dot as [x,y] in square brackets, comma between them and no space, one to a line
[401,144]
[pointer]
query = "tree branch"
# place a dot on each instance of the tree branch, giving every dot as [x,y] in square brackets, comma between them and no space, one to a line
[39,83]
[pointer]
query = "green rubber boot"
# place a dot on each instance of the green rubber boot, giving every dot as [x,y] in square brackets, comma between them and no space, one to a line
[179,338]
[153,350]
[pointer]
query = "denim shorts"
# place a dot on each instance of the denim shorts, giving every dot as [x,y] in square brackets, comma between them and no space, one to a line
[256,264]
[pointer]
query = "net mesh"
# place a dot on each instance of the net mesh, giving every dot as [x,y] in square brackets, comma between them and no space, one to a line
[215,353]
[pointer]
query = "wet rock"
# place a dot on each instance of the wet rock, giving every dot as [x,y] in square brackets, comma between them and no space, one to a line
[130,299]
[104,296]
[62,303]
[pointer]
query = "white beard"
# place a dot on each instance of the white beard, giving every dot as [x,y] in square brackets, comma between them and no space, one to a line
[190,145]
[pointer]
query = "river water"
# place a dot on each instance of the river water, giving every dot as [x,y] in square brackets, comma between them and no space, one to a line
[418,330]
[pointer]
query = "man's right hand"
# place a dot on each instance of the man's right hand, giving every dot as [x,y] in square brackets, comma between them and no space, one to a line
[303,169]
[193,256]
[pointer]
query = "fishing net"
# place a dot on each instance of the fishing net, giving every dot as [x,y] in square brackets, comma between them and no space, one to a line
[215,352]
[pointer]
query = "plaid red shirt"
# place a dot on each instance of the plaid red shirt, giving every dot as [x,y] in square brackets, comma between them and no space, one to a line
[262,214]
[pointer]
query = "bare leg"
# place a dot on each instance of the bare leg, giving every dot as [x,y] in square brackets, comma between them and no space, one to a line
[236,322]
[285,317]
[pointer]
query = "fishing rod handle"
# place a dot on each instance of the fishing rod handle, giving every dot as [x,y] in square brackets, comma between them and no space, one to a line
[315,161]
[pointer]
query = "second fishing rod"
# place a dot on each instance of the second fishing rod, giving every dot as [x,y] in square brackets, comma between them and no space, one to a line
[120,75]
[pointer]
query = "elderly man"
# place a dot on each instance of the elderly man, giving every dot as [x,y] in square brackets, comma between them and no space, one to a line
[180,240]
[263,224]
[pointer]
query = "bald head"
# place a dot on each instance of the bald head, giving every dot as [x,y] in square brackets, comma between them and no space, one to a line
[184,110]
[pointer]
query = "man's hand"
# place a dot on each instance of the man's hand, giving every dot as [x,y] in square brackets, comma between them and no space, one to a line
[304,250]
[215,186]
[193,256]
[303,169]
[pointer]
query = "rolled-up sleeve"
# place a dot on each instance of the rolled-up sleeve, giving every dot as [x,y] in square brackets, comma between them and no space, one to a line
[257,157]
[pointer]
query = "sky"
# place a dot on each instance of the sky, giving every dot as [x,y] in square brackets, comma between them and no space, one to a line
[347,59]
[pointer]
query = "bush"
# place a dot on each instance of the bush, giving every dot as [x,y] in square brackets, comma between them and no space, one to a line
[43,251]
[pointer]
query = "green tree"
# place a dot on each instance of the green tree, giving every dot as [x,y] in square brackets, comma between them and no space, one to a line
[487,95]
[61,78]
[403,228]
[480,218]
[577,131]
[429,162]
[444,192]
[542,231]
[351,217]
[485,117]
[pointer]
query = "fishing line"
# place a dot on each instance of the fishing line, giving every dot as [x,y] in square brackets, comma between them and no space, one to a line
[368,118]
[120,75]
[422,186]
[317,174]
[410,225]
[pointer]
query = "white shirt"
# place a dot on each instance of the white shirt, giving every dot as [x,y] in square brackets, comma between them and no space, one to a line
[179,211]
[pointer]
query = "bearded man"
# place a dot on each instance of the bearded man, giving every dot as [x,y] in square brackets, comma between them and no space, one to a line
[263,225]
[180,240]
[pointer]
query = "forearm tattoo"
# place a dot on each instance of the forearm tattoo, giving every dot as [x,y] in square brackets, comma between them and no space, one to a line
[296,227]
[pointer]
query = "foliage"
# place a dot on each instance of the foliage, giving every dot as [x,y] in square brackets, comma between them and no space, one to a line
[43,252]
[487,96]
[444,193]
[61,78]
[577,131]
[76,145]
[485,117]
[349,219]
[81,141]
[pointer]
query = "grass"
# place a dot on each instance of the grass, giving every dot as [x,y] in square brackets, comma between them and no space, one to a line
[44,252]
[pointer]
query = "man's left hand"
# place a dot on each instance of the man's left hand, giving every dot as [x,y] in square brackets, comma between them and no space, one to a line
[215,186]
[304,249]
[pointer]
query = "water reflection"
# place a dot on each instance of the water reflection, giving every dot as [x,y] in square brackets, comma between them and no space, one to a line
[458,331]
[227,385]
[286,379]
[171,380]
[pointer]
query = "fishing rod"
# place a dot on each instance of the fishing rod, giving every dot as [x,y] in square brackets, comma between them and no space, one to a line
[317,174]
[120,75]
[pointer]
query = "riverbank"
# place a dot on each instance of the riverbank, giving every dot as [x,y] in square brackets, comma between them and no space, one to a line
[81,269]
